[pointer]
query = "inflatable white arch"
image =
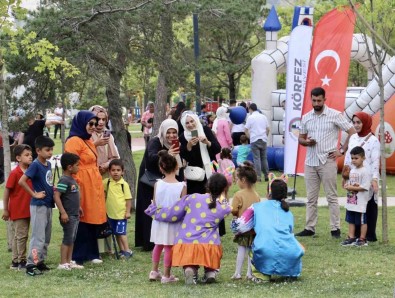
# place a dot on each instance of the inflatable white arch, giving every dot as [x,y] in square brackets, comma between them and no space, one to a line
[269,63]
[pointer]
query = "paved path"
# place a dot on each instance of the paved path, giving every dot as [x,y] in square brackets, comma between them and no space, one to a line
[139,144]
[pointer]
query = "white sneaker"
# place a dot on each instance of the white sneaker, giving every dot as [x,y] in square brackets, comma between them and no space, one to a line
[97,261]
[65,266]
[74,265]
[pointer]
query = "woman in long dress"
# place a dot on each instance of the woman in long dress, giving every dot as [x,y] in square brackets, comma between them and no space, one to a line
[91,188]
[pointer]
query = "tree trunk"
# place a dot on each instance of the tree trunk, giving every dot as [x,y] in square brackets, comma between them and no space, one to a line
[115,114]
[164,66]
[4,125]
[232,86]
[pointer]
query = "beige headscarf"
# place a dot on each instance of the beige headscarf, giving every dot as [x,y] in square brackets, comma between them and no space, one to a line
[106,153]
[203,147]
[164,127]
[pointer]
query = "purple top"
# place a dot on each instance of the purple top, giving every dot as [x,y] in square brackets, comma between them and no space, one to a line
[199,223]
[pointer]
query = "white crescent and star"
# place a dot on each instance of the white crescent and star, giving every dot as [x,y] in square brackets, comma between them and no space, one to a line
[327,53]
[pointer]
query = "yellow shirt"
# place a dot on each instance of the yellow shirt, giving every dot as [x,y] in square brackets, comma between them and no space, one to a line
[116,198]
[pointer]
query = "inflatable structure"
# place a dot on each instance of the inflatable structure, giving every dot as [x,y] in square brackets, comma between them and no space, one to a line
[273,60]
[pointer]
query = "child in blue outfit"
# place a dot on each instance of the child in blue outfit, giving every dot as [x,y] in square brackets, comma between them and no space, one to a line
[243,150]
[275,250]
[41,204]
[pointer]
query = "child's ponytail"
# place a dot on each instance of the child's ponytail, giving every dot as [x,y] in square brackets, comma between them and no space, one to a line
[216,185]
[284,205]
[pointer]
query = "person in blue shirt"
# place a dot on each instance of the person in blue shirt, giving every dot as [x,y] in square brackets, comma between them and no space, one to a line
[41,204]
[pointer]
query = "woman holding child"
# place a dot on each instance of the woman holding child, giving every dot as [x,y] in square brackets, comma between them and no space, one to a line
[168,131]
[91,189]
[364,138]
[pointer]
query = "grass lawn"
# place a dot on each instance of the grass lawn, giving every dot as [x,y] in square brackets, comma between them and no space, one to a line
[329,270]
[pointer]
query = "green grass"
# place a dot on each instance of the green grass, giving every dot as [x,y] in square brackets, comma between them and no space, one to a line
[329,270]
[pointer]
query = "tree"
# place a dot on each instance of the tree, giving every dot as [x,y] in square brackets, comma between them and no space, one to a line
[376,18]
[228,37]
[41,50]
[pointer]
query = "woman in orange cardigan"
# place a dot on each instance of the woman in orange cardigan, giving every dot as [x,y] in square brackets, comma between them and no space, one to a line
[91,189]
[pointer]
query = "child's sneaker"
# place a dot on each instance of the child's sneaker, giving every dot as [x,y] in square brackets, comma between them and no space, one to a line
[166,280]
[349,241]
[128,254]
[74,265]
[65,266]
[155,275]
[43,267]
[209,277]
[14,265]
[33,271]
[190,276]
[22,265]
[361,242]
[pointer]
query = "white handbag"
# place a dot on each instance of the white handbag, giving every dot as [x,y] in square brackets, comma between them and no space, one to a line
[194,173]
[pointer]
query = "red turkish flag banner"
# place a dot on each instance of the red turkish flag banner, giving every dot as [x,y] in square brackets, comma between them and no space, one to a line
[329,64]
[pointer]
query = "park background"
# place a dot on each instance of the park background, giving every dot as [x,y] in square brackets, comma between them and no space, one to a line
[129,52]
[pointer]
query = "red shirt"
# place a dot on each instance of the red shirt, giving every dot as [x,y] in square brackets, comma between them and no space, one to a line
[19,200]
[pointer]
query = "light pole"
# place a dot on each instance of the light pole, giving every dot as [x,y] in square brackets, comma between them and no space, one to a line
[196,51]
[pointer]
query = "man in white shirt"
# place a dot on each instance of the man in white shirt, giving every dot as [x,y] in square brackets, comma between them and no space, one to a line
[59,117]
[257,129]
[319,132]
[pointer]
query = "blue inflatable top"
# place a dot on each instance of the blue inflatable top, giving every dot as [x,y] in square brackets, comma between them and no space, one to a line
[272,23]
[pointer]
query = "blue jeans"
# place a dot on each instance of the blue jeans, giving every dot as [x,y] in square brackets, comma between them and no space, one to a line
[259,153]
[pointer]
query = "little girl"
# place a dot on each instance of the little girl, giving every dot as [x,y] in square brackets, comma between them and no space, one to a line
[198,242]
[275,250]
[166,193]
[243,199]
[226,166]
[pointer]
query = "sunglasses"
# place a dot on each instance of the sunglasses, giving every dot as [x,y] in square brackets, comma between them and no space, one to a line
[92,123]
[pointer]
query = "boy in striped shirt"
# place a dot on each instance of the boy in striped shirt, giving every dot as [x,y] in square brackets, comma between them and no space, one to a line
[67,199]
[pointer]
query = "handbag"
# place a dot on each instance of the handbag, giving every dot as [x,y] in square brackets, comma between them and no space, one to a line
[149,178]
[103,231]
[194,173]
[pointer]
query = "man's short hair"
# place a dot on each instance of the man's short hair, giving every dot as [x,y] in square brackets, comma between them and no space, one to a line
[318,91]
[232,101]
[203,106]
[18,150]
[43,141]
[253,107]
[68,159]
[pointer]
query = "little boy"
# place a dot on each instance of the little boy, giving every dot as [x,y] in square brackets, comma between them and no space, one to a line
[16,203]
[41,205]
[243,150]
[67,198]
[118,204]
[357,198]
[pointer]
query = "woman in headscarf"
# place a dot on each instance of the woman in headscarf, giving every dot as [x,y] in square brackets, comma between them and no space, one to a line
[368,141]
[103,140]
[168,131]
[198,146]
[91,188]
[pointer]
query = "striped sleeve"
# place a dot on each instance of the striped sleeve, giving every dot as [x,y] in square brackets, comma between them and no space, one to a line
[61,187]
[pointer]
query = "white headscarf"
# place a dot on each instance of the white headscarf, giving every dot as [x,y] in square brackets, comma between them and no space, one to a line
[203,147]
[221,113]
[164,127]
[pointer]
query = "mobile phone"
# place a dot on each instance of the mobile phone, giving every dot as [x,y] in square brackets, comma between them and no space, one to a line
[106,134]
[194,133]
[175,142]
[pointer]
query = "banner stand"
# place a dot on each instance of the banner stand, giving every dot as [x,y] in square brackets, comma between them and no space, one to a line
[294,202]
